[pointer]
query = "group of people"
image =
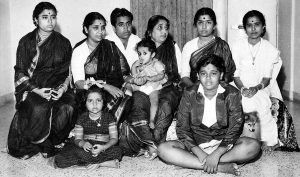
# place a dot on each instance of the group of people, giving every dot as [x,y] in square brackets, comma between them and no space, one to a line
[119,94]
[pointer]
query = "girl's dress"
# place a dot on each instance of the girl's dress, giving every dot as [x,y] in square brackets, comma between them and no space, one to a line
[95,132]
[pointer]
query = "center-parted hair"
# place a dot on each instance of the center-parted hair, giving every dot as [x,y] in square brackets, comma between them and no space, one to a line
[40,7]
[95,89]
[90,19]
[152,22]
[213,59]
[117,12]
[259,15]
[147,43]
[205,11]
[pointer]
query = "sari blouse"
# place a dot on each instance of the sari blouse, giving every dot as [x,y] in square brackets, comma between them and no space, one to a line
[230,119]
[52,67]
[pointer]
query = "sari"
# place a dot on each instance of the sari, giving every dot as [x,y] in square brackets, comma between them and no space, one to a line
[218,47]
[135,133]
[286,129]
[107,63]
[39,124]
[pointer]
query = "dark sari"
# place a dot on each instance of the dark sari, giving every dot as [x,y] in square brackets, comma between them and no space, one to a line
[286,130]
[106,63]
[135,131]
[218,47]
[39,124]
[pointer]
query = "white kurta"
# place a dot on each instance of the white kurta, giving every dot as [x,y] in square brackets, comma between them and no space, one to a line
[130,51]
[251,73]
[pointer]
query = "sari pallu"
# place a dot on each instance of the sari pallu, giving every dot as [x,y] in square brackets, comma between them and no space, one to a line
[37,119]
[108,64]
[286,129]
[218,47]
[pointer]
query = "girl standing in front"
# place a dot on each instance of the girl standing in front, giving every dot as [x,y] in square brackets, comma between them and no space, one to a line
[95,137]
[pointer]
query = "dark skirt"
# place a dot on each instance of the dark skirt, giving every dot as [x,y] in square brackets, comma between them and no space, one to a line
[135,132]
[73,155]
[286,129]
[39,124]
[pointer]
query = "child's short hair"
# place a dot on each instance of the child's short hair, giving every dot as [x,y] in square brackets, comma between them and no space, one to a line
[147,43]
[213,59]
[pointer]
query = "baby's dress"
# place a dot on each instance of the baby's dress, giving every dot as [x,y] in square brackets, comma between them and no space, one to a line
[151,69]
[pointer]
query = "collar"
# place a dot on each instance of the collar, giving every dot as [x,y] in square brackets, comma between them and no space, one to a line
[219,90]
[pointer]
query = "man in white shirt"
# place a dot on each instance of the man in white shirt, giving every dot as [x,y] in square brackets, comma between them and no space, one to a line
[121,21]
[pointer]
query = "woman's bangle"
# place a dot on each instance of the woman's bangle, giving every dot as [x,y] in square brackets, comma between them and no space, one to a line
[242,90]
[63,86]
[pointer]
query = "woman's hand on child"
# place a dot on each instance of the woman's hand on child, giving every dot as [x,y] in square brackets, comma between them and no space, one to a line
[97,148]
[114,91]
[87,146]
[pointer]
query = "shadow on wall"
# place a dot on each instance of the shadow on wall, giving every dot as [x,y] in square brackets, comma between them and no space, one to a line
[281,78]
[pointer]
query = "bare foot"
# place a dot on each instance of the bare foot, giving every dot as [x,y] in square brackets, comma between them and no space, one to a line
[230,168]
[112,164]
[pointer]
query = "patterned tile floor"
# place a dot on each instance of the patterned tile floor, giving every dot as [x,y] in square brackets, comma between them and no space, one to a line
[276,164]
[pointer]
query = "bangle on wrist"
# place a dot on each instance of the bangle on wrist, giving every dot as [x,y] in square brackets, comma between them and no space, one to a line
[242,89]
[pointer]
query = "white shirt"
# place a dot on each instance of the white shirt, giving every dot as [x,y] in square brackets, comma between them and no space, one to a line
[130,51]
[210,109]
[178,57]
[79,57]
[187,51]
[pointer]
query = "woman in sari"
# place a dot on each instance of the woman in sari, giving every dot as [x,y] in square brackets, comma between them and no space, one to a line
[44,104]
[97,61]
[206,43]
[136,133]
[256,59]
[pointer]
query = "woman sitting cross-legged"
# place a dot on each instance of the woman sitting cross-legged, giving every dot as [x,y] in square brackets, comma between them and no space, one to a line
[209,124]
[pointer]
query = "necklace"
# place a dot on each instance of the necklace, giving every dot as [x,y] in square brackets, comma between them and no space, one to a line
[97,120]
[254,53]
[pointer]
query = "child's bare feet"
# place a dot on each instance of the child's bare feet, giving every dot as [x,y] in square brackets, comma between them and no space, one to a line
[230,168]
[112,164]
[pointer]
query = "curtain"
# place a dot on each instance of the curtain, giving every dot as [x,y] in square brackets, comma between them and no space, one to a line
[179,12]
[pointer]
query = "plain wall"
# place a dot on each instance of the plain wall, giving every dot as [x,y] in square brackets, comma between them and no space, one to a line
[16,21]
[6,63]
[297,50]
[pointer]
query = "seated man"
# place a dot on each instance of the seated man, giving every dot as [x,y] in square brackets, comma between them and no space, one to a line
[209,124]
[121,21]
